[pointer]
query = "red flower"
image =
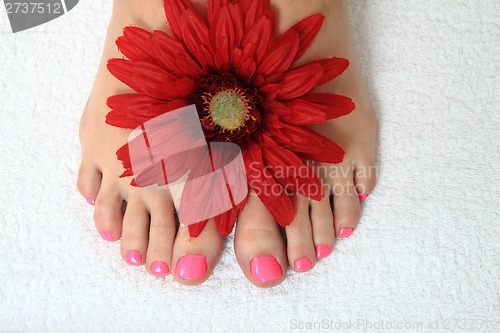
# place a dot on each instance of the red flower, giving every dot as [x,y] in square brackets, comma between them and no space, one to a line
[239,76]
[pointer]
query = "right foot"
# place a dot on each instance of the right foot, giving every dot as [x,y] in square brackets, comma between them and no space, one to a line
[146,223]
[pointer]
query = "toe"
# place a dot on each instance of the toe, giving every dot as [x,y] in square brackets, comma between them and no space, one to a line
[108,214]
[346,207]
[365,178]
[162,231]
[259,246]
[300,246]
[89,182]
[135,230]
[194,258]
[322,226]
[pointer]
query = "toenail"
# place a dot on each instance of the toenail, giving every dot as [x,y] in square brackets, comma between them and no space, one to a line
[345,232]
[302,264]
[265,269]
[323,251]
[133,258]
[159,268]
[192,267]
[91,201]
[362,197]
[106,235]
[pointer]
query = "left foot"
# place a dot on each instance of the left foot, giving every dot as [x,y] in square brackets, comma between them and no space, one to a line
[262,253]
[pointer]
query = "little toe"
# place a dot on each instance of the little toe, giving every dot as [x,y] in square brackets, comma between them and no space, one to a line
[194,258]
[108,215]
[365,178]
[346,208]
[322,226]
[135,230]
[259,246]
[89,182]
[300,245]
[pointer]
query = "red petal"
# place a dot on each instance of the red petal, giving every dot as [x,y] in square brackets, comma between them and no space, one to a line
[122,70]
[222,36]
[132,110]
[136,44]
[257,37]
[289,170]
[333,105]
[213,7]
[254,9]
[195,36]
[330,151]
[301,112]
[195,229]
[225,222]
[123,155]
[270,193]
[299,138]
[300,81]
[173,12]
[280,55]
[307,29]
[172,56]
[332,68]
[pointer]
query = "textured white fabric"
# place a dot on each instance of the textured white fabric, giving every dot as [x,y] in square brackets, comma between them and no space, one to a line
[427,249]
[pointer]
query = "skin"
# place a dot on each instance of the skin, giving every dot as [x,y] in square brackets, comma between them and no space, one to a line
[147,225]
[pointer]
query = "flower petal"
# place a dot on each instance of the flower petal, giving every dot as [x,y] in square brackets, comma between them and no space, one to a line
[173,12]
[195,229]
[222,36]
[315,108]
[307,29]
[330,151]
[300,81]
[272,195]
[172,56]
[257,38]
[225,221]
[132,110]
[289,170]
[280,55]
[299,138]
[195,37]
[332,68]
[136,44]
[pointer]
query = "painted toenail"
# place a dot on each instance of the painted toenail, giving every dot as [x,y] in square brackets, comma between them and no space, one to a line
[265,269]
[345,232]
[362,197]
[302,264]
[192,267]
[159,268]
[323,251]
[133,258]
[106,235]
[91,201]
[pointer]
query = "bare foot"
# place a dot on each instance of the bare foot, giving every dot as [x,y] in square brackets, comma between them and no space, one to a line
[262,253]
[147,226]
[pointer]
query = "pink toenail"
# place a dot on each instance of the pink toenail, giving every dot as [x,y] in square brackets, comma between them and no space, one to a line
[323,251]
[345,232]
[159,268]
[133,258]
[265,269]
[106,235]
[192,267]
[91,201]
[302,264]
[362,197]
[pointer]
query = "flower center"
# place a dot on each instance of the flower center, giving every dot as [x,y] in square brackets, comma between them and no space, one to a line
[228,109]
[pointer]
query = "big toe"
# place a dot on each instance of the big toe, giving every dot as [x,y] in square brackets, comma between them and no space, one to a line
[259,246]
[194,258]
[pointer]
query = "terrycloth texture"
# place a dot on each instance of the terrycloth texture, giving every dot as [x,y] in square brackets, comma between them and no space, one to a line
[427,249]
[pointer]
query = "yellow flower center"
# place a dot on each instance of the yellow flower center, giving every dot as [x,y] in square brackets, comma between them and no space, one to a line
[228,109]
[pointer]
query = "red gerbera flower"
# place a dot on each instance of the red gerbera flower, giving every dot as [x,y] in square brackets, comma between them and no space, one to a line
[239,76]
